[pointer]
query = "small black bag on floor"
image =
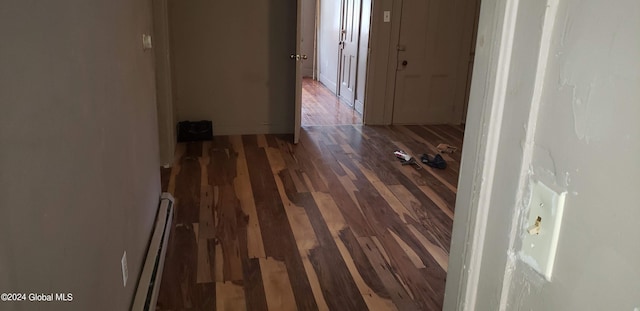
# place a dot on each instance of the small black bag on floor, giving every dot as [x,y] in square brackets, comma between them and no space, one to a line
[195,131]
[436,162]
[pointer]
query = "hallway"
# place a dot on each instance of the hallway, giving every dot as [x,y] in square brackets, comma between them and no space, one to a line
[322,107]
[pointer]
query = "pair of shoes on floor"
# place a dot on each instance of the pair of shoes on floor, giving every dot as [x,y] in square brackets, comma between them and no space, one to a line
[436,162]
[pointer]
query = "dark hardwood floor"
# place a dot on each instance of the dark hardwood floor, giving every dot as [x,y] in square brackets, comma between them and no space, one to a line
[333,223]
[322,107]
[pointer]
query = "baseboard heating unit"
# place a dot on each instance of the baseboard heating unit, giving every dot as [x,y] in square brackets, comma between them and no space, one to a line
[151,276]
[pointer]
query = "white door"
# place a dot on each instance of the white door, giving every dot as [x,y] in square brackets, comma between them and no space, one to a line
[348,64]
[433,57]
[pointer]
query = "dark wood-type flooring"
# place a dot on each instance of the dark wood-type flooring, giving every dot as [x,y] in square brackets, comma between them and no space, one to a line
[333,223]
[322,107]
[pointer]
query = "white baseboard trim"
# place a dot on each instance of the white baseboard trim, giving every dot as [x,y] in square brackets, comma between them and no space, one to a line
[359,106]
[148,287]
[331,85]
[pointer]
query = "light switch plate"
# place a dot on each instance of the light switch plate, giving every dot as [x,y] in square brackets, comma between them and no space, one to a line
[387,16]
[543,228]
[147,44]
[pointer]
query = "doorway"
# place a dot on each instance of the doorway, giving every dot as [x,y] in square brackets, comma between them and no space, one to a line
[334,40]
[322,107]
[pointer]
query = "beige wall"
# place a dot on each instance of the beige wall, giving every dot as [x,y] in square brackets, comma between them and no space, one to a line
[308,36]
[79,178]
[230,64]
[569,120]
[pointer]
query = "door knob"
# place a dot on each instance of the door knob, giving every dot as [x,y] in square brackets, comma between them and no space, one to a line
[298,56]
[404,63]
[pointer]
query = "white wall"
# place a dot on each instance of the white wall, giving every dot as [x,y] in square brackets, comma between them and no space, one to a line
[587,142]
[79,163]
[570,121]
[329,37]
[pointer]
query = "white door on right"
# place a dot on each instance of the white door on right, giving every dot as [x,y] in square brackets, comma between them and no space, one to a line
[434,51]
[349,39]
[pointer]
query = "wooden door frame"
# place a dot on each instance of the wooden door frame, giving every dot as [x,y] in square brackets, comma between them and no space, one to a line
[164,87]
[298,72]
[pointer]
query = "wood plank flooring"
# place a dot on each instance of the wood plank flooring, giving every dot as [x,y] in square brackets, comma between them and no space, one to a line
[333,223]
[322,107]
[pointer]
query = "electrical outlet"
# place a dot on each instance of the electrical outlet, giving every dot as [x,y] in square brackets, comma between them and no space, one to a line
[125,269]
[543,228]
